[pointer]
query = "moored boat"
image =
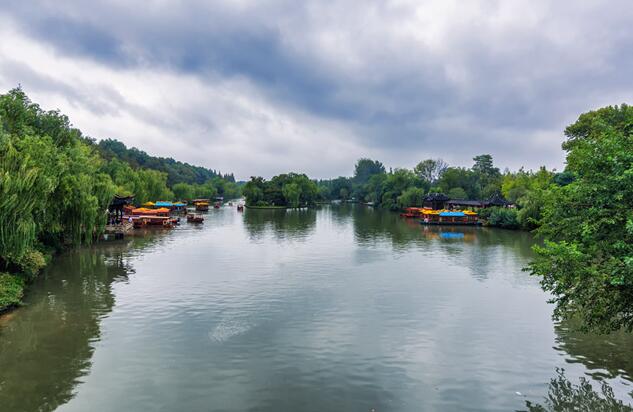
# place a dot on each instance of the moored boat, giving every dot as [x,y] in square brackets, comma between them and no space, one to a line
[191,218]
[140,221]
[412,212]
[449,217]
[201,205]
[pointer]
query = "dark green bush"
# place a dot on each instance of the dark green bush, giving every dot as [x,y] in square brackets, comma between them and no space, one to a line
[11,290]
[31,262]
[501,217]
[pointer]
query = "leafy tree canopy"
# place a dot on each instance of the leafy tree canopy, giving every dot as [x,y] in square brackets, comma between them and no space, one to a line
[587,259]
[366,168]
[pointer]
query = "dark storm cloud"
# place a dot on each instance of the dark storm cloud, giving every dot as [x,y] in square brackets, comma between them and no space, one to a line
[216,40]
[487,82]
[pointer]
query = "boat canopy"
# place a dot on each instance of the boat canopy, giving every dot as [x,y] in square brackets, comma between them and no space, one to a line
[162,203]
[452,214]
[179,204]
[145,211]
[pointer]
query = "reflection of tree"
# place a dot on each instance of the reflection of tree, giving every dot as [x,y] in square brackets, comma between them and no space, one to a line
[566,396]
[283,224]
[374,225]
[597,352]
[46,348]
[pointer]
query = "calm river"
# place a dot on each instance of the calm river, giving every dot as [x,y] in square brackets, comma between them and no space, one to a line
[337,309]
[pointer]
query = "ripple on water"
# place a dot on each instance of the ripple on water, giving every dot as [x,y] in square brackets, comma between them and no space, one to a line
[228,329]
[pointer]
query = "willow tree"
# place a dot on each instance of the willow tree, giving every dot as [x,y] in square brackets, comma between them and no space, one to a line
[53,192]
[23,191]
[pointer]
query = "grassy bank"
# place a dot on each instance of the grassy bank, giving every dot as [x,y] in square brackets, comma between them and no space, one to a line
[11,291]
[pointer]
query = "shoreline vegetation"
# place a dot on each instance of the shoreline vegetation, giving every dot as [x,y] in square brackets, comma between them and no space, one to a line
[56,185]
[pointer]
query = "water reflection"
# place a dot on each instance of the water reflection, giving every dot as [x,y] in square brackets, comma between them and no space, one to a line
[605,356]
[372,226]
[366,310]
[564,395]
[284,224]
[46,347]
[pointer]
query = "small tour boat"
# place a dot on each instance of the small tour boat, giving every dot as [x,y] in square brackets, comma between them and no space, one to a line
[240,208]
[412,212]
[202,205]
[450,217]
[191,218]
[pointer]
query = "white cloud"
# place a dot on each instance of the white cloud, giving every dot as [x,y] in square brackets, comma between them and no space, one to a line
[225,124]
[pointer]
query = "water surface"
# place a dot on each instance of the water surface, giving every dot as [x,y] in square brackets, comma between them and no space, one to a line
[337,309]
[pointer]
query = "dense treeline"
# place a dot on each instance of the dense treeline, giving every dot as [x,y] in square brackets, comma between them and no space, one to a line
[285,190]
[56,184]
[177,172]
[152,178]
[401,188]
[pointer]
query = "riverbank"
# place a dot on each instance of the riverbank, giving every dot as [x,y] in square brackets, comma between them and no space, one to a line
[11,292]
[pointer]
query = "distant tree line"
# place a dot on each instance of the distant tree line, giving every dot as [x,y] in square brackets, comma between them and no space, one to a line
[285,190]
[400,188]
[153,178]
[177,172]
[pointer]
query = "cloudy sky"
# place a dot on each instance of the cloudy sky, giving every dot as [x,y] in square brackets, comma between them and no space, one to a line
[263,87]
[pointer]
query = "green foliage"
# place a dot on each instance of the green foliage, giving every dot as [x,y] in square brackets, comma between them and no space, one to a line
[457,193]
[11,290]
[226,188]
[176,172]
[184,191]
[31,262]
[144,184]
[586,261]
[460,177]
[500,217]
[253,191]
[289,190]
[53,192]
[395,184]
[527,190]
[411,197]
[430,170]
[365,169]
[333,189]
